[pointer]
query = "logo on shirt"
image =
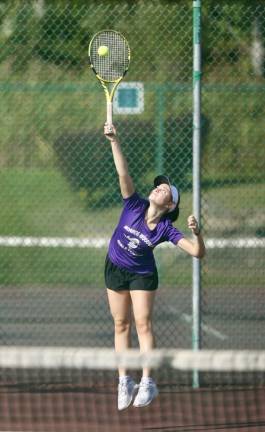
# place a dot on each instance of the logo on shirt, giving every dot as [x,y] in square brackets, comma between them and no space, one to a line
[130,247]
[133,242]
[138,234]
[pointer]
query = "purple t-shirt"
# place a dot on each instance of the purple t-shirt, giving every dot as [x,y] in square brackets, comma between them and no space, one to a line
[132,243]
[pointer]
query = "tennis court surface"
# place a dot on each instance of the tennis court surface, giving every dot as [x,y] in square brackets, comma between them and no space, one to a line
[72,389]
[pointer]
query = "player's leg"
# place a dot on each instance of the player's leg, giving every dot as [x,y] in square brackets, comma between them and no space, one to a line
[143,302]
[120,305]
[120,308]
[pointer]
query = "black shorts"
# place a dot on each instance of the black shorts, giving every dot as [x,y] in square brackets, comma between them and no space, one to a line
[118,279]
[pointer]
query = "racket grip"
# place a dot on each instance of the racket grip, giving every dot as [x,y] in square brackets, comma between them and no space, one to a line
[109,115]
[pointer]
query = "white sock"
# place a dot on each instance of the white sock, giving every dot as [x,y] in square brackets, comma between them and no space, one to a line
[147,380]
[124,378]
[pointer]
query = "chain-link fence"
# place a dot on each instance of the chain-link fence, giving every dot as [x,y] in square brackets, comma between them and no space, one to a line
[60,198]
[233,175]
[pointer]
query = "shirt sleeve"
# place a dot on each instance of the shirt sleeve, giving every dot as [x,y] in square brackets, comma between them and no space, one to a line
[134,202]
[173,234]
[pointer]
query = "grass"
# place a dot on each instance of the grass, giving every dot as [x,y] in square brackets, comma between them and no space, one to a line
[234,267]
[41,203]
[85,267]
[236,210]
[51,267]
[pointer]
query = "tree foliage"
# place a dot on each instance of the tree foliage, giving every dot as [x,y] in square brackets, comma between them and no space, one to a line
[46,42]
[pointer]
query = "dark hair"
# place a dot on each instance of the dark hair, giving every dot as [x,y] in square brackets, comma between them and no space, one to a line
[174,214]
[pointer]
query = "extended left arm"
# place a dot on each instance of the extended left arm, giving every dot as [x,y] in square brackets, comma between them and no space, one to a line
[194,247]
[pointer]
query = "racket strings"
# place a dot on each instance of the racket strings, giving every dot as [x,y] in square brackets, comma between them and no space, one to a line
[114,65]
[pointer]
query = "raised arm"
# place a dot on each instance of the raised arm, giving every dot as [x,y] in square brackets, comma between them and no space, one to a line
[126,183]
[194,247]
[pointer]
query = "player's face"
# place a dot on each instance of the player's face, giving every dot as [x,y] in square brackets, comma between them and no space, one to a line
[161,195]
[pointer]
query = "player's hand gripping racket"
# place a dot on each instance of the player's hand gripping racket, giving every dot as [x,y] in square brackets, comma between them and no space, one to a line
[109,57]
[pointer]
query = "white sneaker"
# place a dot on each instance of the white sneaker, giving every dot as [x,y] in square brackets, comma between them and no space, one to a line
[127,389]
[147,392]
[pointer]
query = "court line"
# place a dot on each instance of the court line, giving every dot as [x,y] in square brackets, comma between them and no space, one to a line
[101,242]
[206,328]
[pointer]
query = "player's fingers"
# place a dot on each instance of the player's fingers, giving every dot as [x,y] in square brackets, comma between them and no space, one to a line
[109,129]
[192,219]
[108,132]
[192,222]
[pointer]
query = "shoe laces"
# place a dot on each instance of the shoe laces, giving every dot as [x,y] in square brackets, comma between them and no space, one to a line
[123,387]
[145,385]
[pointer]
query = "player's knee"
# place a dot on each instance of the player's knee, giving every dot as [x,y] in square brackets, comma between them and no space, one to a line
[143,325]
[122,325]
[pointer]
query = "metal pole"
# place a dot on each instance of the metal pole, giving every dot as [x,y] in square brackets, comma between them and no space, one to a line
[160,133]
[196,272]
[159,163]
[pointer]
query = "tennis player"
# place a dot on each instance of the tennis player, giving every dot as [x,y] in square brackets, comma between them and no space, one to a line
[130,270]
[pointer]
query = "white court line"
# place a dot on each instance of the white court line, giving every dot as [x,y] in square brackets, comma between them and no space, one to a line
[206,328]
[100,242]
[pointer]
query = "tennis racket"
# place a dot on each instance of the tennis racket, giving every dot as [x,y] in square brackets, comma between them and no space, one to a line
[111,67]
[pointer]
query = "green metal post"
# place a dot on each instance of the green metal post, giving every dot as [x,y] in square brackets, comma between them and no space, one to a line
[196,280]
[159,156]
[159,162]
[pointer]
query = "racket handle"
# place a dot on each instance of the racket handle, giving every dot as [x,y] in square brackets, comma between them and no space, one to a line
[109,115]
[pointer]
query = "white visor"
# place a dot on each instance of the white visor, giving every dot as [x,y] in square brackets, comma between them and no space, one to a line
[174,191]
[175,195]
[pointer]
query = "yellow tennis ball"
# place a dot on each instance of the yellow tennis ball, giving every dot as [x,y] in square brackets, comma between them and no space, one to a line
[103,51]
